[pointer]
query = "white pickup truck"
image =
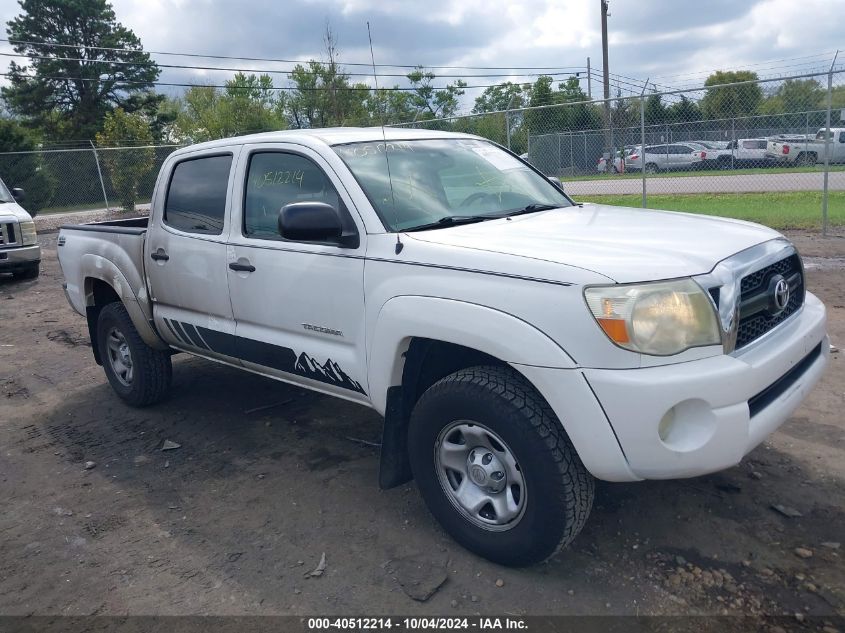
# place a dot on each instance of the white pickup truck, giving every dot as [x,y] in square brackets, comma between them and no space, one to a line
[808,152]
[518,344]
[20,253]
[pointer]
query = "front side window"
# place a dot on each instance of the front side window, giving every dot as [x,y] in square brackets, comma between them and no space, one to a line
[276,179]
[196,198]
[5,196]
[415,183]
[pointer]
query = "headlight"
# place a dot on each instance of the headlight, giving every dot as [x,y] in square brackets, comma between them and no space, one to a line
[28,237]
[661,318]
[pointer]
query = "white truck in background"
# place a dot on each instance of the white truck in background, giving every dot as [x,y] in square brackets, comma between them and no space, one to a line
[517,343]
[20,253]
[809,152]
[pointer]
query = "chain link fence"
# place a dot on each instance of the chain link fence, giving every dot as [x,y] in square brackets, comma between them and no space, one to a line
[769,150]
[80,179]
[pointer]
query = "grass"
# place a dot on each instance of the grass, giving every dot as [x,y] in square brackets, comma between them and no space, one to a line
[701,172]
[788,210]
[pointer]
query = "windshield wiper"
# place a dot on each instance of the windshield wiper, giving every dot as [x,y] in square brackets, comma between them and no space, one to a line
[450,220]
[531,208]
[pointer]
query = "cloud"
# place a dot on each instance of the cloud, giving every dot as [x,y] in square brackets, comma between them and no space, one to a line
[676,42]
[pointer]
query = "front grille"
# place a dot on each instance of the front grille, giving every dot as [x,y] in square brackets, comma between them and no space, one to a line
[7,234]
[753,286]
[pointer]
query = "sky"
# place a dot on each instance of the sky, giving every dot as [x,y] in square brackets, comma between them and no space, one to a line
[676,43]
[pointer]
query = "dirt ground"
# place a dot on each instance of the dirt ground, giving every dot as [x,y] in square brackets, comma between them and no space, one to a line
[230,522]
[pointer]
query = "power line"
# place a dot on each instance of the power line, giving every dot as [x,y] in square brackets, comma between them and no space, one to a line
[126,82]
[276,60]
[268,71]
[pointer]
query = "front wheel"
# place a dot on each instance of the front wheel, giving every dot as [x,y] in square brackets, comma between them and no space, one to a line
[496,468]
[139,374]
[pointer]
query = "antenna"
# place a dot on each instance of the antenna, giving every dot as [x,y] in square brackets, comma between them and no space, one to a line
[399,245]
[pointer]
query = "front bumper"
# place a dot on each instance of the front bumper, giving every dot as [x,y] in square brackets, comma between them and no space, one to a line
[693,418]
[19,258]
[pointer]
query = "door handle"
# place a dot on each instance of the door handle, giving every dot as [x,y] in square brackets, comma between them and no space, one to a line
[246,268]
[160,255]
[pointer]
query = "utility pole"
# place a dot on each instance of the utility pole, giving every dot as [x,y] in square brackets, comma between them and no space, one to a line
[589,81]
[606,77]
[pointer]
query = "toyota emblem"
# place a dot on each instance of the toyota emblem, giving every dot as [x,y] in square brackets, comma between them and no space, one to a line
[780,294]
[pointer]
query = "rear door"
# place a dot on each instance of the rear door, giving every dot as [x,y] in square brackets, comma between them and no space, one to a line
[298,306]
[186,254]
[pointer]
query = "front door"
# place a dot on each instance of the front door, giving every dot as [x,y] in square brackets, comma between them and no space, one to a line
[298,306]
[186,255]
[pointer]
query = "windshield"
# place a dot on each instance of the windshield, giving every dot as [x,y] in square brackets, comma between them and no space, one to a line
[5,196]
[445,181]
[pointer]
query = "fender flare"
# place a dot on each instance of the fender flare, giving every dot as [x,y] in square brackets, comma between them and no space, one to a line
[98,267]
[497,333]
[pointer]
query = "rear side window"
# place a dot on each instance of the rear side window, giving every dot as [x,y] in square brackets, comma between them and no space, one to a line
[196,198]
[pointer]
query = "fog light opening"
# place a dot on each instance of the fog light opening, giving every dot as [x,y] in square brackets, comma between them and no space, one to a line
[687,426]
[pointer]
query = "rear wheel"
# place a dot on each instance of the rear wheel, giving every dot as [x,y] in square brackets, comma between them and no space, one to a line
[139,374]
[651,168]
[724,162]
[806,159]
[495,467]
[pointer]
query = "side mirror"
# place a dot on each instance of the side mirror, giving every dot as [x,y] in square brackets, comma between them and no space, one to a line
[312,222]
[18,194]
[556,182]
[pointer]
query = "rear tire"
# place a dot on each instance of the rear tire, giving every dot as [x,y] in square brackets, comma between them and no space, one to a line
[139,374]
[724,163]
[30,272]
[537,494]
[651,168]
[806,159]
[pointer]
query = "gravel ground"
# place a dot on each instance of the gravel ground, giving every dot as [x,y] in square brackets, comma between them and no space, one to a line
[98,519]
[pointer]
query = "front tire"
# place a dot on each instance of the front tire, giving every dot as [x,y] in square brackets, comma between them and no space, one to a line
[496,468]
[139,374]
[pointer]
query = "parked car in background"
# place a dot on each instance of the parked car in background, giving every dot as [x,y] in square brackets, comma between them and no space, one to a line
[714,145]
[745,152]
[20,253]
[804,151]
[668,157]
[618,167]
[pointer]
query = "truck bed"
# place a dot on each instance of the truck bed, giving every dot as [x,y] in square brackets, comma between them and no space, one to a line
[130,226]
[111,251]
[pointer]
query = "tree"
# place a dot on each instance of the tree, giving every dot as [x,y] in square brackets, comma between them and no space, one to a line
[66,90]
[731,101]
[247,104]
[683,111]
[431,102]
[504,96]
[26,169]
[127,166]
[655,110]
[795,96]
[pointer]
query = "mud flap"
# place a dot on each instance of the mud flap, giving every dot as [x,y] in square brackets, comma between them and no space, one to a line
[394,466]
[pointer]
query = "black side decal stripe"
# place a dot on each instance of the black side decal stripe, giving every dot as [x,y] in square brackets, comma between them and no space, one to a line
[183,333]
[279,358]
[192,333]
[173,330]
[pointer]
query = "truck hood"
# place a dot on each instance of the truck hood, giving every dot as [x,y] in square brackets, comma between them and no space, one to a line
[624,244]
[12,211]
